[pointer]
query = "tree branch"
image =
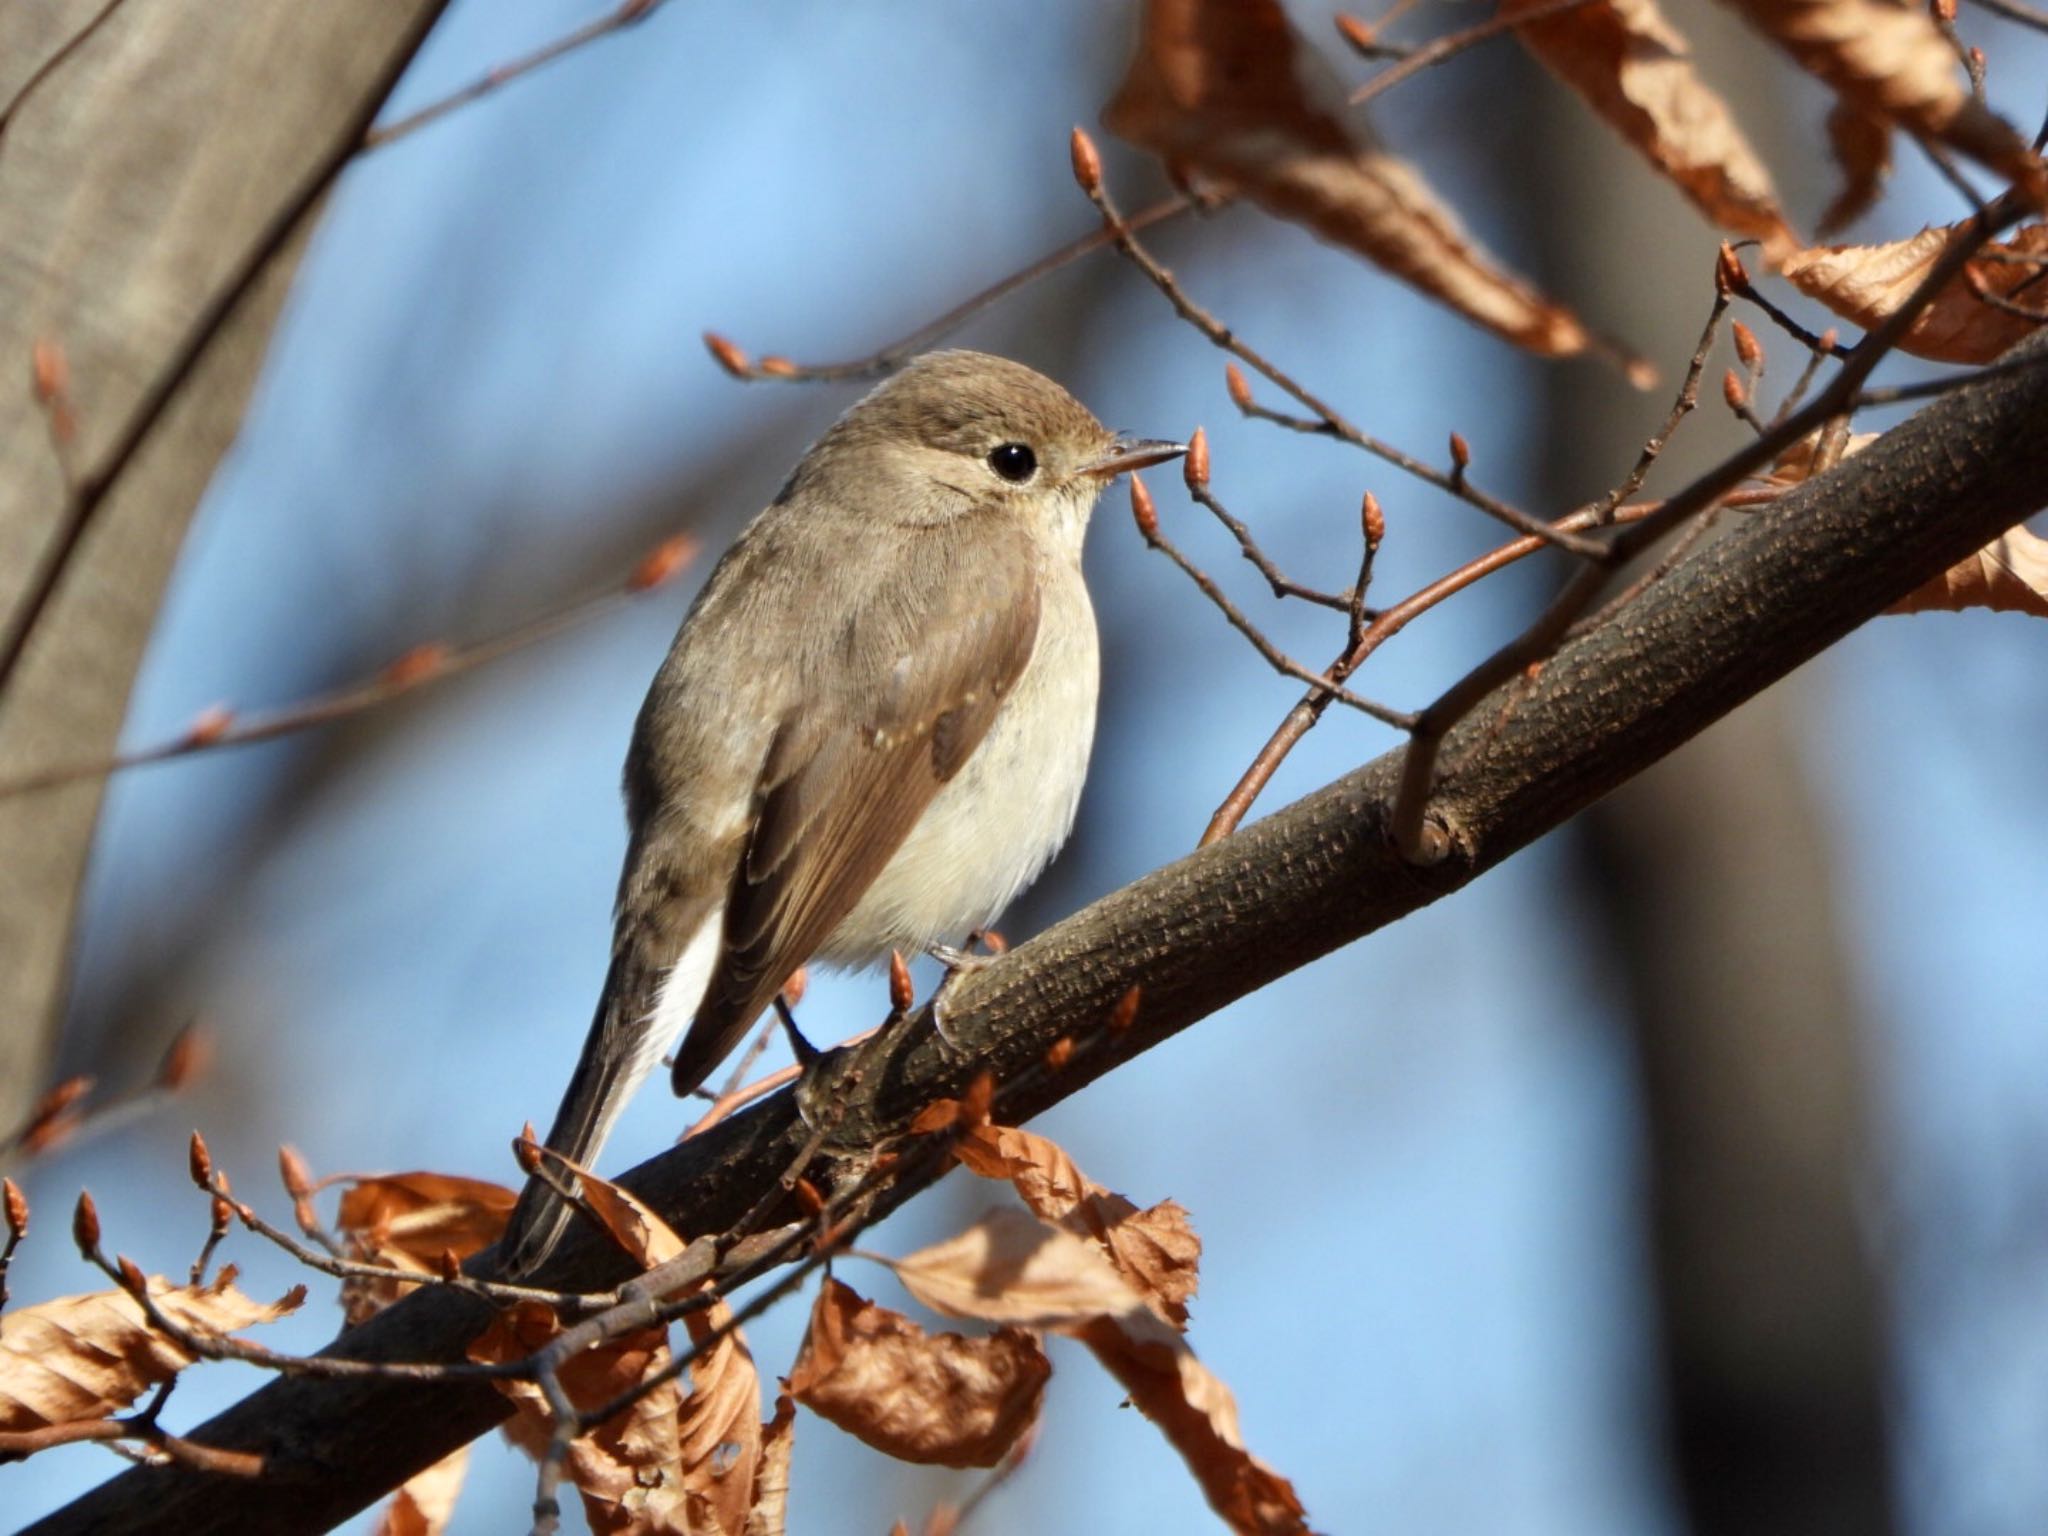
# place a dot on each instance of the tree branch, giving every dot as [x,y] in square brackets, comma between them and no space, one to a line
[1728,622]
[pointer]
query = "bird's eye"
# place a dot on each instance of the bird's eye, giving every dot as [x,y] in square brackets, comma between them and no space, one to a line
[1013,461]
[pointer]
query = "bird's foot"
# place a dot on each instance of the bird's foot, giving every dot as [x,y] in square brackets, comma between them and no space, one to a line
[958,963]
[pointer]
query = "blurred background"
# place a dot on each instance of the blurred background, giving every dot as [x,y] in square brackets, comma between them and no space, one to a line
[1688,1172]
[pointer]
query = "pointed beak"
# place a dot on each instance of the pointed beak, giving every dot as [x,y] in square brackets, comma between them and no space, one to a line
[1129,453]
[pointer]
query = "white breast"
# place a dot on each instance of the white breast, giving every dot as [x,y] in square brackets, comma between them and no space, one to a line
[988,832]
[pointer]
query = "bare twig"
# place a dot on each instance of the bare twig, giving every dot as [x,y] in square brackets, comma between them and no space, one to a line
[623,16]
[2016,10]
[423,664]
[1452,44]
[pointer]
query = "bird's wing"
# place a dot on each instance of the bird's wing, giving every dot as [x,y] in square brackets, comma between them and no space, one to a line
[922,669]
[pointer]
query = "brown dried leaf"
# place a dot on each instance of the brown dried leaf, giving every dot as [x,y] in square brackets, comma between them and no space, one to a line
[935,1399]
[84,1357]
[1796,464]
[628,1469]
[1228,90]
[1865,283]
[1634,69]
[632,1223]
[407,1221]
[425,1502]
[2008,575]
[720,1432]
[770,1514]
[1198,1416]
[1155,1250]
[1010,1268]
[1862,142]
[1891,60]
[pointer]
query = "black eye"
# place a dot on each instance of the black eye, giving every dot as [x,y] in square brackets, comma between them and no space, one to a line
[1013,461]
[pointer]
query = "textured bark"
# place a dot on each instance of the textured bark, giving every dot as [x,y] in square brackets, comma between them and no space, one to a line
[134,176]
[1213,927]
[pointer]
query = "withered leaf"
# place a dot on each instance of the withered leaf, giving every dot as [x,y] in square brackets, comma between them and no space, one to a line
[425,1502]
[2008,575]
[1010,1268]
[632,1223]
[84,1357]
[719,1434]
[1635,70]
[1866,283]
[1198,1416]
[408,1221]
[938,1399]
[1227,90]
[1155,1250]
[1891,60]
[1862,142]
[628,1470]
[770,1514]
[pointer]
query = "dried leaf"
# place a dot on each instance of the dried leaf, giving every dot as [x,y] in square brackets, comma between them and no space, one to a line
[2008,575]
[1228,90]
[632,1223]
[408,1221]
[1891,60]
[1862,142]
[629,1469]
[84,1357]
[935,1399]
[719,1435]
[1155,1250]
[770,1514]
[423,1504]
[1797,464]
[1633,68]
[1865,283]
[1198,1416]
[1010,1268]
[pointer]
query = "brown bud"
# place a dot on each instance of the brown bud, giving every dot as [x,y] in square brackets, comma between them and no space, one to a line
[730,357]
[132,1280]
[415,666]
[994,942]
[1461,453]
[793,989]
[807,1197]
[298,1178]
[85,1225]
[16,1204]
[1945,12]
[209,725]
[1240,388]
[1358,33]
[199,1162]
[661,563]
[451,1266]
[50,369]
[184,1058]
[1729,278]
[900,994]
[1829,338]
[1747,347]
[1195,465]
[222,1214]
[1977,61]
[1087,163]
[1375,521]
[776,366]
[1125,1013]
[1059,1053]
[978,1100]
[1143,512]
[526,1150]
[1733,392]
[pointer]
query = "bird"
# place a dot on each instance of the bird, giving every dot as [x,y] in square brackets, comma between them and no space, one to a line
[869,735]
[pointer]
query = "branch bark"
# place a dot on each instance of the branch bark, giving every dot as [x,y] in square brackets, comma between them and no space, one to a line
[1737,616]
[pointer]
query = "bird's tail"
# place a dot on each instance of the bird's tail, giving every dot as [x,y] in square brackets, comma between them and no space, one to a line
[640,1010]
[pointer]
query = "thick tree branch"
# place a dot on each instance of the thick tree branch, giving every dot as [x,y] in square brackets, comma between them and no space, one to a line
[1741,613]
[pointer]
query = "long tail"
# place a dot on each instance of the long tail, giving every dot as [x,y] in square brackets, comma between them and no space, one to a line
[639,1012]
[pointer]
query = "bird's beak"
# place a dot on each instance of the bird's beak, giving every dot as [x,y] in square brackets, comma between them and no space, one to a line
[1129,453]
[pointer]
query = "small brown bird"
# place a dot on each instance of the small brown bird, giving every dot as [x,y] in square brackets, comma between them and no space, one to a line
[870,733]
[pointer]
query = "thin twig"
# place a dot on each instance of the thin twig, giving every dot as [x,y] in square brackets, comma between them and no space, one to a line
[1282,585]
[1330,421]
[627,13]
[1442,48]
[2015,10]
[423,664]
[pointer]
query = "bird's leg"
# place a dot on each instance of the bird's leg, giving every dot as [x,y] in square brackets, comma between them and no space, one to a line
[958,963]
[802,1049]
